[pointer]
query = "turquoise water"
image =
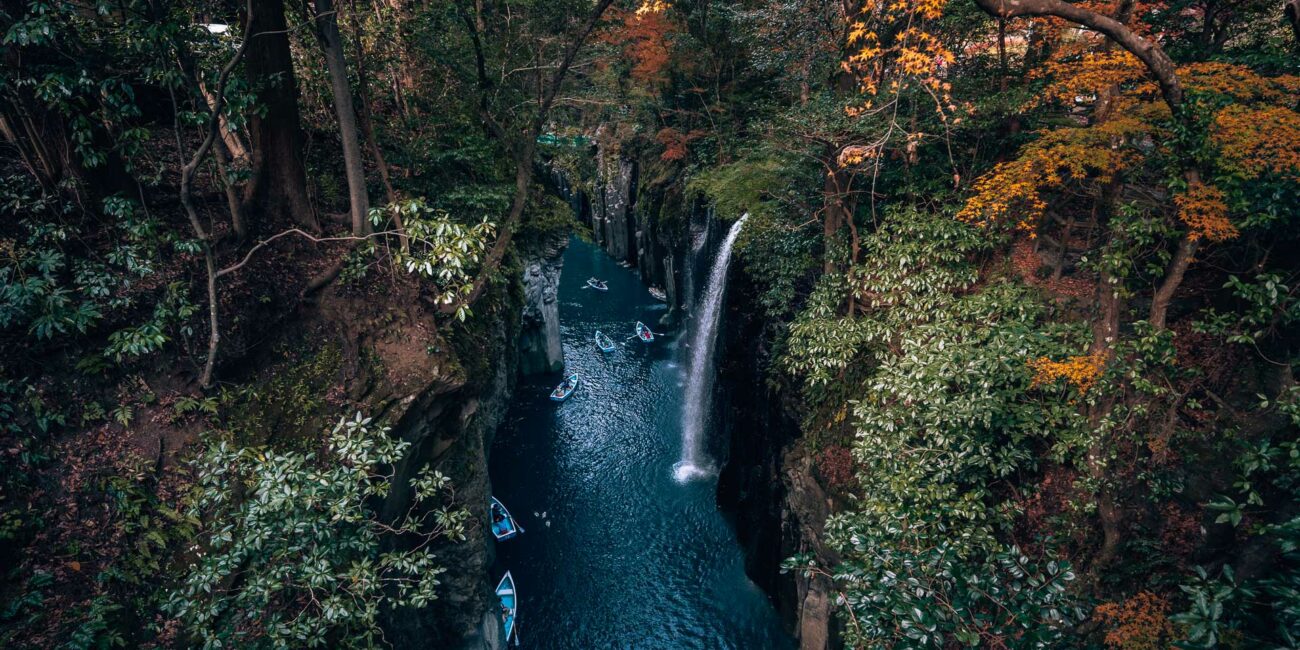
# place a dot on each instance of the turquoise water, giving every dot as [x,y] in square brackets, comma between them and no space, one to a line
[616,553]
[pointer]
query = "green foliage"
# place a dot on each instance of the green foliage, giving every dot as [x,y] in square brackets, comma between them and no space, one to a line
[1263,611]
[98,630]
[290,555]
[939,597]
[25,607]
[945,412]
[287,400]
[439,249]
[782,251]
[172,313]
[780,246]
[547,217]
[745,186]
[1268,306]
[1227,611]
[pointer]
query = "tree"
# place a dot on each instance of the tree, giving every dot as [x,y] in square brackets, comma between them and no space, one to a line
[518,133]
[278,187]
[290,552]
[327,32]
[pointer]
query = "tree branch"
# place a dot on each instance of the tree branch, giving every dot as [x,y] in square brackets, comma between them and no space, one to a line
[1150,53]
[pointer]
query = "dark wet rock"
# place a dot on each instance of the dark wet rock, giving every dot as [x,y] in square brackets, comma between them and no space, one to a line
[768,480]
[539,336]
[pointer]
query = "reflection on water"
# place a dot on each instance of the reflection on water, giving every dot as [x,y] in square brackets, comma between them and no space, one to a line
[617,553]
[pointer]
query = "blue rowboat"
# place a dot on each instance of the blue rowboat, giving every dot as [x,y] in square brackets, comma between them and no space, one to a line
[598,285]
[565,389]
[603,342]
[504,525]
[644,333]
[509,606]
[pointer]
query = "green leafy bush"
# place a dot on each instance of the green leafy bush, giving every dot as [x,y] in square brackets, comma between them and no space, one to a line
[945,411]
[290,554]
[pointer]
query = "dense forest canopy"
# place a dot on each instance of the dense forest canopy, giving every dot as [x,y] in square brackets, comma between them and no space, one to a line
[1029,271]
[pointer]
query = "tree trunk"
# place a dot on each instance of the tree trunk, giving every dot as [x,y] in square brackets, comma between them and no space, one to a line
[278,187]
[1183,255]
[1147,51]
[327,29]
[837,204]
[368,129]
[237,223]
[234,144]
[1292,14]
[363,112]
[525,149]
[1004,74]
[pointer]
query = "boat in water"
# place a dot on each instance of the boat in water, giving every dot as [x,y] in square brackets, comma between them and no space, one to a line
[565,389]
[658,294]
[603,342]
[509,606]
[644,333]
[598,285]
[504,525]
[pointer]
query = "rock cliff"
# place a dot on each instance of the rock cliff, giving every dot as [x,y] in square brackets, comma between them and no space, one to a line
[769,480]
[539,335]
[443,387]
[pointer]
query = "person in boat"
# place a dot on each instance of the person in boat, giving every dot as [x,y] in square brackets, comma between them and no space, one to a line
[497,517]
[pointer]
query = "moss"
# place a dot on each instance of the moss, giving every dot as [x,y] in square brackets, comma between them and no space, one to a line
[289,401]
[548,217]
[740,187]
[472,340]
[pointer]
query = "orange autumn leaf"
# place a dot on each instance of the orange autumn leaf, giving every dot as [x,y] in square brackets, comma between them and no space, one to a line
[1012,191]
[1092,73]
[1080,371]
[1203,209]
[1139,623]
[1258,141]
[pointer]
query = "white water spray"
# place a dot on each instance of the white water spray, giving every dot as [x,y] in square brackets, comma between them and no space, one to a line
[699,382]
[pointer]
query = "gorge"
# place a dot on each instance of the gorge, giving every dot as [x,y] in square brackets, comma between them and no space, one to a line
[923,324]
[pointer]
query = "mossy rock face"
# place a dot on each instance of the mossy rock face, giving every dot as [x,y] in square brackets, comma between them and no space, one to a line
[288,399]
[548,217]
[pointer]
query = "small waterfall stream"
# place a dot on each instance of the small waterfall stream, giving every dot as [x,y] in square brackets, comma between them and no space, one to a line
[699,382]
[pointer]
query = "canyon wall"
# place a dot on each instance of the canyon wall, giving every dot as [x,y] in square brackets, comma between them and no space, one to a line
[444,388]
[540,351]
[633,208]
[769,480]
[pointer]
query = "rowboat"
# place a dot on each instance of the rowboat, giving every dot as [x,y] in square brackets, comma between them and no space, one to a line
[644,333]
[565,389]
[509,605]
[504,525]
[603,342]
[598,285]
[658,294]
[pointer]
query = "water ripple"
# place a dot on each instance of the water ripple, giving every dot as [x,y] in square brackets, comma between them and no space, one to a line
[617,553]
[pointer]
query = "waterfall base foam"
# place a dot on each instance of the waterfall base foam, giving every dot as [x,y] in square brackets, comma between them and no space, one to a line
[684,472]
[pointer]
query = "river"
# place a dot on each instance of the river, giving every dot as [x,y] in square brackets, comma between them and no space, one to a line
[616,553]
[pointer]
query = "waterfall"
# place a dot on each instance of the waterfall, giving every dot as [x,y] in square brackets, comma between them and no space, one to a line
[699,383]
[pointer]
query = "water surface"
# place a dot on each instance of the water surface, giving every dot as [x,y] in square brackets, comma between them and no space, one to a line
[616,553]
